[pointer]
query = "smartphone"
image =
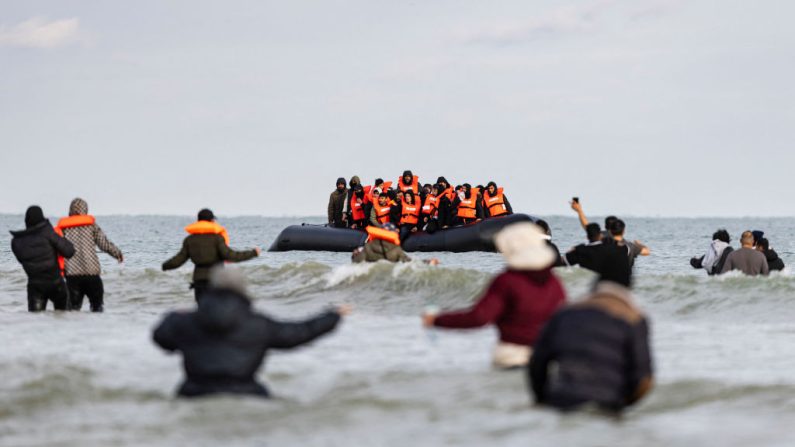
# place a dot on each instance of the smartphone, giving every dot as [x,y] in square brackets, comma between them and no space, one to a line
[575,199]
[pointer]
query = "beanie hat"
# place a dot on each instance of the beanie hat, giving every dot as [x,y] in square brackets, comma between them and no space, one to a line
[206,214]
[33,216]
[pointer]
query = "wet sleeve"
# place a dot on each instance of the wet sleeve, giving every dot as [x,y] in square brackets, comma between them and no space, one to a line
[573,256]
[166,334]
[490,306]
[62,245]
[178,259]
[104,244]
[640,374]
[543,353]
[283,335]
[227,254]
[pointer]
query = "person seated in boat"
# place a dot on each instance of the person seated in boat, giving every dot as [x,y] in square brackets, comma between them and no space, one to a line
[445,197]
[358,218]
[352,184]
[336,205]
[380,214]
[429,218]
[382,185]
[717,252]
[519,301]
[396,204]
[409,214]
[468,205]
[426,189]
[409,181]
[495,203]
[774,263]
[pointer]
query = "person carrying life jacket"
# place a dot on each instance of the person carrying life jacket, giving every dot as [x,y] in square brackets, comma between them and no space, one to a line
[494,201]
[358,217]
[468,205]
[352,184]
[82,271]
[445,199]
[379,215]
[207,245]
[383,243]
[408,182]
[410,214]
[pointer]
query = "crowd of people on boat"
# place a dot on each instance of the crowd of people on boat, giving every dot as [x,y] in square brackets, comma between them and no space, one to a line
[412,206]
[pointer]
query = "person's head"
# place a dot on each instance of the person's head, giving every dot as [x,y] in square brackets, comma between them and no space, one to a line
[229,278]
[426,188]
[408,197]
[747,239]
[392,194]
[354,181]
[206,215]
[399,195]
[467,188]
[436,189]
[757,235]
[340,184]
[609,221]
[721,235]
[78,207]
[443,181]
[383,199]
[593,232]
[479,187]
[763,244]
[408,177]
[358,191]
[618,227]
[378,182]
[376,193]
[33,216]
[389,226]
[545,228]
[491,187]
[524,247]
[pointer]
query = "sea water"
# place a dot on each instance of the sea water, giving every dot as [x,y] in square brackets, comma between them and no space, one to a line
[724,350]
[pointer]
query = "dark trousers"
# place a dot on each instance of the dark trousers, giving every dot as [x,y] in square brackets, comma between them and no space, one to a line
[40,293]
[199,287]
[82,286]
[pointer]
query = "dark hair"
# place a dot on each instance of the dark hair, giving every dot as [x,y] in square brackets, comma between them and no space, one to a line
[544,226]
[206,214]
[618,227]
[763,242]
[593,232]
[491,183]
[410,193]
[378,181]
[722,235]
[609,221]
[427,185]
[392,194]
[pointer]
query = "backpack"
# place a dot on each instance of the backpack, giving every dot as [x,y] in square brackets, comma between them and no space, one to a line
[718,267]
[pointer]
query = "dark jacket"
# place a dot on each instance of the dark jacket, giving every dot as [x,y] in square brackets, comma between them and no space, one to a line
[224,342]
[609,261]
[205,251]
[518,302]
[445,207]
[600,351]
[37,249]
[379,250]
[336,207]
[773,261]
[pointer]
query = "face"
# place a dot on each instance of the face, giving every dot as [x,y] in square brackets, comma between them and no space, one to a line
[340,186]
[492,189]
[382,200]
[407,179]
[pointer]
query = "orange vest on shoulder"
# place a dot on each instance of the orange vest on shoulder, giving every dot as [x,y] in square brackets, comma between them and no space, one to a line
[414,186]
[357,211]
[449,193]
[368,197]
[467,209]
[410,213]
[496,203]
[82,220]
[382,212]
[376,233]
[431,205]
[207,227]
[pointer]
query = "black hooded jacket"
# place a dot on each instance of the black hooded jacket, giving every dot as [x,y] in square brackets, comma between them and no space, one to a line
[37,249]
[224,342]
[773,261]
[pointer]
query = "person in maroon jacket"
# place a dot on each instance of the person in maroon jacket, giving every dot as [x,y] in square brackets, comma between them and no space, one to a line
[519,301]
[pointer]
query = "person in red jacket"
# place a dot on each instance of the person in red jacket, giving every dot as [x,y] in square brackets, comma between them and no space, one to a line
[519,301]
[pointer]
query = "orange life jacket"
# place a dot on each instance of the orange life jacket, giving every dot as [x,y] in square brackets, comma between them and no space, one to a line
[82,220]
[368,198]
[357,212]
[376,233]
[414,186]
[382,212]
[384,186]
[431,205]
[495,204]
[467,209]
[207,227]
[449,193]
[410,213]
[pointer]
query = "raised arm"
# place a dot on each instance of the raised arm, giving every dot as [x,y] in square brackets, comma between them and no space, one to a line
[580,214]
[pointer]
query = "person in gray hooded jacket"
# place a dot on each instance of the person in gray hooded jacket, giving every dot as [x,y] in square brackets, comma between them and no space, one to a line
[83,270]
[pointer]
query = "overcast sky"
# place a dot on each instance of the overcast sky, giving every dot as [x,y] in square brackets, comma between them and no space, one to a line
[639,107]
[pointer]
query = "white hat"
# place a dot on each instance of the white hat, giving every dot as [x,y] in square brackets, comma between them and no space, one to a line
[525,247]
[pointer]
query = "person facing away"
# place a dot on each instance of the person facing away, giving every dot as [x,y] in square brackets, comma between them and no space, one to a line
[495,202]
[224,341]
[38,249]
[634,248]
[519,301]
[383,243]
[773,261]
[715,257]
[336,205]
[607,238]
[746,259]
[409,182]
[609,261]
[207,245]
[83,269]
[548,236]
[595,351]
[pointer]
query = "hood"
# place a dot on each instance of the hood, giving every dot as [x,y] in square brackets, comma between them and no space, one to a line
[407,173]
[719,246]
[222,310]
[491,184]
[34,216]
[78,207]
[354,181]
[31,230]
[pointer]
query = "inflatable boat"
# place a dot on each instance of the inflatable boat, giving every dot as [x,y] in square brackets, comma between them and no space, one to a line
[473,237]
